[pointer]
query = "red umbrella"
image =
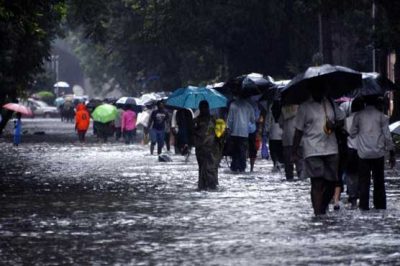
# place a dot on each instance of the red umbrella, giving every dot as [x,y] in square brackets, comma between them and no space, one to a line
[18,108]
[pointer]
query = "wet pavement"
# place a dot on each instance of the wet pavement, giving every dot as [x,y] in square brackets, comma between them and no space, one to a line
[66,203]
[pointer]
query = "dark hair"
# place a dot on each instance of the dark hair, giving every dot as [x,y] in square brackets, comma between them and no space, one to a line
[357,105]
[159,103]
[276,110]
[203,103]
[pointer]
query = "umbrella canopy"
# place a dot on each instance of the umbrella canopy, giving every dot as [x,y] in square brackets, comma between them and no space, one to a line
[59,101]
[149,99]
[374,84]
[190,97]
[338,81]
[395,128]
[274,93]
[61,84]
[126,101]
[104,113]
[247,85]
[215,86]
[19,108]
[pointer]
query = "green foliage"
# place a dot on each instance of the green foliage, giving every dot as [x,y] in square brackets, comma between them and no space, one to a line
[126,42]
[42,81]
[46,96]
[26,29]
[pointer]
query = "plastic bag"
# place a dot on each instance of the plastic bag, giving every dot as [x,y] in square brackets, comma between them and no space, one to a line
[264,148]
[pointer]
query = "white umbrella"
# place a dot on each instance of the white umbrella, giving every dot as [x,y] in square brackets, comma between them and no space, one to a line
[395,128]
[61,84]
[127,101]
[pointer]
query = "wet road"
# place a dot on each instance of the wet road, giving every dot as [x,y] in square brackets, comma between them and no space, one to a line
[64,203]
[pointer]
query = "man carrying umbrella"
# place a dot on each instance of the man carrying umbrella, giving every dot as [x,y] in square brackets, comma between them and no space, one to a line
[371,129]
[241,115]
[315,124]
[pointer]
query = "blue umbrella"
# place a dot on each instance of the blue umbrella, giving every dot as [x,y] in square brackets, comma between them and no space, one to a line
[190,97]
[59,101]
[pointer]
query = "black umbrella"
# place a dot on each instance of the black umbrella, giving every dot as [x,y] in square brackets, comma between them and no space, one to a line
[274,93]
[126,101]
[374,84]
[247,85]
[338,81]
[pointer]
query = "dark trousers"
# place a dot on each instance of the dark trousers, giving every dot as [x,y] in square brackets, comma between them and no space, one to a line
[289,165]
[366,167]
[167,138]
[81,135]
[352,174]
[117,133]
[128,136]
[322,192]
[275,150]
[239,153]
[157,136]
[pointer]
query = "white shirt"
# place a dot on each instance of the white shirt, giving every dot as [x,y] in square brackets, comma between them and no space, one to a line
[275,130]
[351,142]
[287,121]
[311,119]
[241,113]
[371,127]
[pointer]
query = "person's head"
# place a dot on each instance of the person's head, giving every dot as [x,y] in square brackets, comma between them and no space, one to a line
[357,105]
[380,104]
[18,115]
[276,110]
[204,108]
[160,105]
[128,107]
[317,91]
[370,100]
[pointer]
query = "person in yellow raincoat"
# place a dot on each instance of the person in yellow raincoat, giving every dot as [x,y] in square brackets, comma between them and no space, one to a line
[208,147]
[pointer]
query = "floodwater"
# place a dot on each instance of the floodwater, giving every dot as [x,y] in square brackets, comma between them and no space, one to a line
[66,203]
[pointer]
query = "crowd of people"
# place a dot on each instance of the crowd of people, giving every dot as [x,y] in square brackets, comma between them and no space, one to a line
[317,139]
[335,146]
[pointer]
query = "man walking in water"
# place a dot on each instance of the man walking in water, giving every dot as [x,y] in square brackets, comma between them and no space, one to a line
[371,129]
[315,123]
[240,116]
[157,125]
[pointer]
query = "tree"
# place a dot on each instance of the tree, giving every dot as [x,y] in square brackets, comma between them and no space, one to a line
[27,29]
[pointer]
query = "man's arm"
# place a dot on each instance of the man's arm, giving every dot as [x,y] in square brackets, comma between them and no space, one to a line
[151,119]
[298,134]
[355,126]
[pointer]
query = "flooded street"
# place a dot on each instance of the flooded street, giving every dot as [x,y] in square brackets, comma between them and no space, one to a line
[66,203]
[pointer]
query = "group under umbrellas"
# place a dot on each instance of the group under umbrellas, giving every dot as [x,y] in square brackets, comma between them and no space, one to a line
[339,82]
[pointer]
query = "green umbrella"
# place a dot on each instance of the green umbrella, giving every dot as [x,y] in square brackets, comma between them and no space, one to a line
[105,113]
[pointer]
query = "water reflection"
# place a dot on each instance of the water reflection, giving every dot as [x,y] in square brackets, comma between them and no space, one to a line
[111,203]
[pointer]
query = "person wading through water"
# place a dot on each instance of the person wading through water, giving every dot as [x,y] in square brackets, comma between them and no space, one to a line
[315,124]
[371,129]
[82,121]
[208,147]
